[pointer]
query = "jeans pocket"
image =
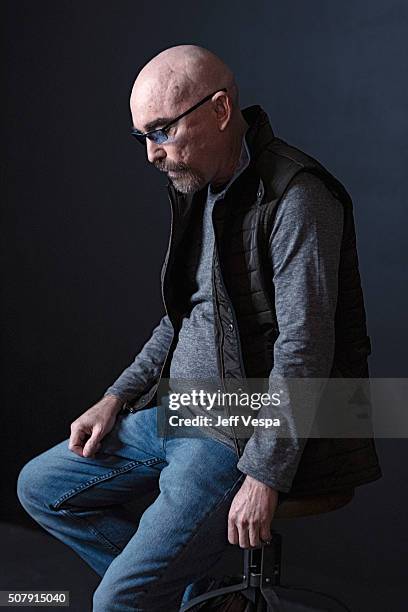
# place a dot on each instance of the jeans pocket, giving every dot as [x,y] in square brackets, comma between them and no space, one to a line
[110,473]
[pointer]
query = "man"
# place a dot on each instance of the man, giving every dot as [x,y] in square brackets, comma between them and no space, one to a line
[261,254]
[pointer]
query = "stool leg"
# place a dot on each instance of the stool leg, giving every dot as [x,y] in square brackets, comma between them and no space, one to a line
[270,573]
[261,571]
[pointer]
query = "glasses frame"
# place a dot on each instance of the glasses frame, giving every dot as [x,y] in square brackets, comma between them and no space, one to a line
[161,132]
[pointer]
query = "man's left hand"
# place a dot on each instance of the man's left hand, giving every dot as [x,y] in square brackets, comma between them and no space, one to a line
[251,513]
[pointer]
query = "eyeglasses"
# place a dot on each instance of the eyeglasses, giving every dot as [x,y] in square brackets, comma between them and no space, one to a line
[159,136]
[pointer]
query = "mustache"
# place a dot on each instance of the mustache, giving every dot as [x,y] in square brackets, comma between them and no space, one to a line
[163,168]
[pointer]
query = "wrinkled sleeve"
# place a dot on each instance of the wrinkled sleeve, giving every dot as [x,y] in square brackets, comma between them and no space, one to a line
[146,367]
[304,248]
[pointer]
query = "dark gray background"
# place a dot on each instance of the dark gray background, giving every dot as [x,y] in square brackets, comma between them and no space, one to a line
[86,220]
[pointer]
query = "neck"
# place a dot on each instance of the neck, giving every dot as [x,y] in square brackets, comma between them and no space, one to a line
[226,172]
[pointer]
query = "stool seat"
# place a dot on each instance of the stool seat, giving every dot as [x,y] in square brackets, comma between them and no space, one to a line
[313,504]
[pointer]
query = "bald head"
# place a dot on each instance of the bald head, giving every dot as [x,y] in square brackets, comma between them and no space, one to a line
[204,145]
[180,75]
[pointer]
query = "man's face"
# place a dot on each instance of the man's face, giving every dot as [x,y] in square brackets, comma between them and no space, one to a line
[189,157]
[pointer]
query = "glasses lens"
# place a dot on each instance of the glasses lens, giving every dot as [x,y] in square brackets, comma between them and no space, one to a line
[158,136]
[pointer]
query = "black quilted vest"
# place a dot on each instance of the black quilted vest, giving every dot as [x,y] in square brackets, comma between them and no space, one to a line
[245,322]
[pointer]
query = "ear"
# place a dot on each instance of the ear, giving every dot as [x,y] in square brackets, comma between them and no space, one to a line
[223,109]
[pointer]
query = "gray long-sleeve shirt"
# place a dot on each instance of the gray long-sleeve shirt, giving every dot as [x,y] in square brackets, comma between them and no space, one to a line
[304,248]
[194,361]
[195,355]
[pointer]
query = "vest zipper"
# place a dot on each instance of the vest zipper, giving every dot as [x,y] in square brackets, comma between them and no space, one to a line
[167,257]
[216,258]
[166,261]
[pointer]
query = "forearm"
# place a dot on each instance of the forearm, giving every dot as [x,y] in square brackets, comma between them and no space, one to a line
[146,366]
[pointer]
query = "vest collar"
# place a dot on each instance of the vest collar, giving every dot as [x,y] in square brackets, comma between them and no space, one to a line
[258,135]
[260,132]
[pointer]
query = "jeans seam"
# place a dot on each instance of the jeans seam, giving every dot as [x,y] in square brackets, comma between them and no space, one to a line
[107,543]
[184,547]
[166,422]
[85,485]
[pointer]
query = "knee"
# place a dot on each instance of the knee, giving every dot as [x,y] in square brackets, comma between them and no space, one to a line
[103,599]
[30,485]
[40,480]
[116,591]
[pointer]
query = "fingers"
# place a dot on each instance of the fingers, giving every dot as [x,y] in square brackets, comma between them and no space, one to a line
[77,440]
[243,534]
[85,441]
[265,534]
[253,535]
[93,444]
[232,532]
[248,534]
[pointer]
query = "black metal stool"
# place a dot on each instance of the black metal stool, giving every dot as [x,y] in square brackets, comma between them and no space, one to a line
[260,582]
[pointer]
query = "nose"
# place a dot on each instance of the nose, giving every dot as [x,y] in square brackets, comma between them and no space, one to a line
[155,152]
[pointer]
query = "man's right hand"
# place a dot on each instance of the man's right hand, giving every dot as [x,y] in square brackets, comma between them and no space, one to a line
[88,430]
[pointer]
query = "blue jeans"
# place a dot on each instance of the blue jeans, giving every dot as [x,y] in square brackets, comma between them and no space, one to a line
[149,566]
